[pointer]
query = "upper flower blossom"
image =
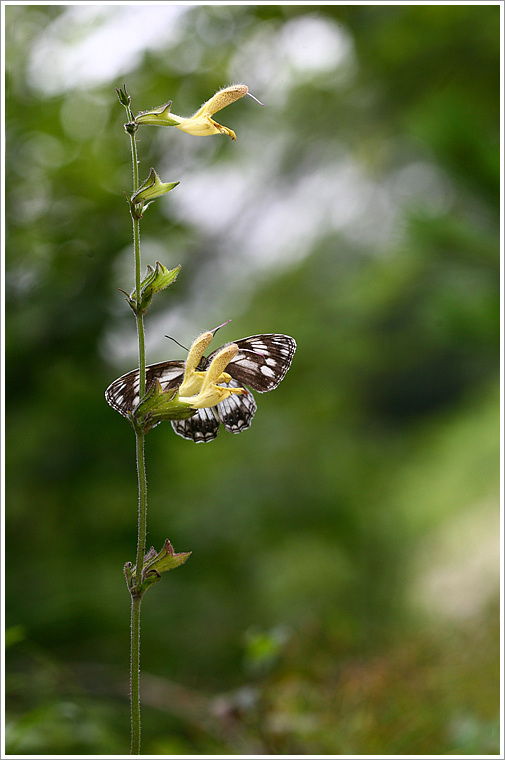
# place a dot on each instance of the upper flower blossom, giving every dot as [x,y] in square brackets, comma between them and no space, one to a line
[201,124]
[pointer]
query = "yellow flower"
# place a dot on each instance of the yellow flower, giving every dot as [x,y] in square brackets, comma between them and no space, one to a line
[200,124]
[200,388]
[193,379]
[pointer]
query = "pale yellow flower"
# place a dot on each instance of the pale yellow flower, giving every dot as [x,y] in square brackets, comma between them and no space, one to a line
[200,124]
[199,388]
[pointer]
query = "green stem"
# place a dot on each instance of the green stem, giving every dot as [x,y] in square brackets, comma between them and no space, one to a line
[142,484]
[135,675]
[140,316]
[142,515]
[136,248]
[137,597]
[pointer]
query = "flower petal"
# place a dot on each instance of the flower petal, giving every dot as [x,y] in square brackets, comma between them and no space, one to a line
[221,99]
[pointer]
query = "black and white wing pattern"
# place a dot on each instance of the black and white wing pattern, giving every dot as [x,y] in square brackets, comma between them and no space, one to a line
[202,427]
[262,360]
[235,413]
[123,394]
[261,363]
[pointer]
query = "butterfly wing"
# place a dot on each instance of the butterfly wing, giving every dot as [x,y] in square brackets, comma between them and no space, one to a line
[262,361]
[202,427]
[235,413]
[123,394]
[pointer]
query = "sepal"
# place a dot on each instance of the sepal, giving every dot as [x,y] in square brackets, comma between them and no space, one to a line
[151,189]
[123,96]
[156,279]
[158,406]
[154,564]
[158,117]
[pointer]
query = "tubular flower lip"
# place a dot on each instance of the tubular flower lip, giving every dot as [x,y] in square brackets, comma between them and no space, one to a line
[201,123]
[193,379]
[209,393]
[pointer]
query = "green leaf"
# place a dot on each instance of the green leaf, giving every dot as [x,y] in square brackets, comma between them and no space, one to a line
[154,565]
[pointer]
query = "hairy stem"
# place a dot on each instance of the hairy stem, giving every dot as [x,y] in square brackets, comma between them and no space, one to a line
[136,249]
[142,514]
[135,675]
[142,482]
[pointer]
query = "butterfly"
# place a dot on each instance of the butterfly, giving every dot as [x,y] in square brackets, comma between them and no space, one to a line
[260,363]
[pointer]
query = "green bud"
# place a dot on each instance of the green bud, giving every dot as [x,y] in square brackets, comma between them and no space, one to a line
[152,188]
[123,96]
[129,571]
[157,279]
[131,128]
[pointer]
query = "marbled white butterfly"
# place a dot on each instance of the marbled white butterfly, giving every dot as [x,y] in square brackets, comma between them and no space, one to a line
[261,363]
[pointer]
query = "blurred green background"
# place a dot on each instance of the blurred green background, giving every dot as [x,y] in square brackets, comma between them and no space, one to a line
[342,595]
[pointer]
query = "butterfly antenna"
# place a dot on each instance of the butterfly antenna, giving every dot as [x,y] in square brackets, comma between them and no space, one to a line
[176,341]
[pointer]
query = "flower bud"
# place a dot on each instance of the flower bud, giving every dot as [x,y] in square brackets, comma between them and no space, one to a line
[123,96]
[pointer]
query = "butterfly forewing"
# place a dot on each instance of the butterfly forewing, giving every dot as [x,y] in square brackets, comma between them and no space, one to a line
[123,393]
[261,361]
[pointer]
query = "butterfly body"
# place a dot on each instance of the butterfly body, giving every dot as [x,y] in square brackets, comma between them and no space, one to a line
[260,363]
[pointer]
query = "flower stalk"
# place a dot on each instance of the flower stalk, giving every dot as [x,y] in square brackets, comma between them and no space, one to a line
[136,596]
[199,388]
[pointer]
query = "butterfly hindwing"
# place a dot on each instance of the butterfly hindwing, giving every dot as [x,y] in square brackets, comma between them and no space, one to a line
[202,427]
[236,412]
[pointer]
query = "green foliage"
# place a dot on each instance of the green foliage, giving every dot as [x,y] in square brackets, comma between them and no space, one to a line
[154,565]
[359,212]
